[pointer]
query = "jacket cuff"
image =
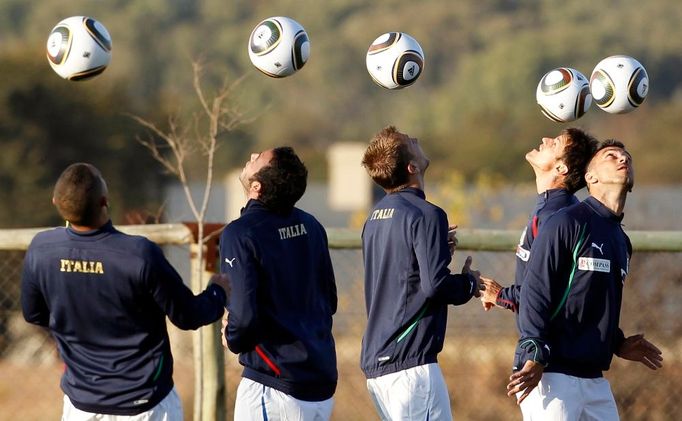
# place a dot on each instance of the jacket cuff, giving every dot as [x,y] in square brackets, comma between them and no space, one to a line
[504,302]
[218,293]
[472,289]
[533,350]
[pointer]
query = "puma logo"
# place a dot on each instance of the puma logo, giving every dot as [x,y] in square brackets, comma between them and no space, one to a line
[599,248]
[230,261]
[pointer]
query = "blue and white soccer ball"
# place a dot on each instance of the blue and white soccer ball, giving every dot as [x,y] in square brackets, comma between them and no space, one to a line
[395,60]
[619,84]
[79,48]
[279,46]
[563,94]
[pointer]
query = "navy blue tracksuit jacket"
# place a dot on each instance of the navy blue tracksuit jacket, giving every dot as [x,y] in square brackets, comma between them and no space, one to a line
[408,285]
[282,302]
[571,297]
[547,204]
[104,296]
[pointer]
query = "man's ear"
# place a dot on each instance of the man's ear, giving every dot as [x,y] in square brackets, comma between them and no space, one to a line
[590,178]
[54,201]
[561,168]
[255,187]
[412,168]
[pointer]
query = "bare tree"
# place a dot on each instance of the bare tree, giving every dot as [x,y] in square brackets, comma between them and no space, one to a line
[172,148]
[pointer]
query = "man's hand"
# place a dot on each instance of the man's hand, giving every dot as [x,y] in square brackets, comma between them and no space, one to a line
[223,282]
[223,338]
[524,381]
[452,238]
[476,274]
[490,293]
[636,348]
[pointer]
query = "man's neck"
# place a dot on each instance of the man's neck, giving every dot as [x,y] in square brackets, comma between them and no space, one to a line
[99,223]
[547,181]
[614,200]
[85,228]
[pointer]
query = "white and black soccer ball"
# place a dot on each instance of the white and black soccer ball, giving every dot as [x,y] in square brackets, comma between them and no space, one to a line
[279,46]
[395,60]
[619,84]
[563,94]
[79,48]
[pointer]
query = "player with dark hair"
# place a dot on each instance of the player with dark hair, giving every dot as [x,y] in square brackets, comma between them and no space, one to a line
[284,295]
[559,165]
[571,301]
[104,296]
[408,285]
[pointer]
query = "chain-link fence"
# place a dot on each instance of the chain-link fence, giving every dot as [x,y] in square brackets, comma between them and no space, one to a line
[476,359]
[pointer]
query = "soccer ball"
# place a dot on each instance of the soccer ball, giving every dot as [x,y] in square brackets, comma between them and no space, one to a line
[79,48]
[395,60]
[563,94]
[619,84]
[279,46]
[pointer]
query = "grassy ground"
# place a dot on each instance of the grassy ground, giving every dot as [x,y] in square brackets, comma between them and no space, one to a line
[476,370]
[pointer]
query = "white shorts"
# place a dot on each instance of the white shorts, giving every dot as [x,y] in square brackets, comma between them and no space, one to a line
[417,393]
[256,401]
[567,398]
[169,409]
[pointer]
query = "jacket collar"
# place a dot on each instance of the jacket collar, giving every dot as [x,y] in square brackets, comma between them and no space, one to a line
[602,210]
[414,191]
[252,205]
[552,194]
[107,228]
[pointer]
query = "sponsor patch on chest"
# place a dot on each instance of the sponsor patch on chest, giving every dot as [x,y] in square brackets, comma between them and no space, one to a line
[594,265]
[522,253]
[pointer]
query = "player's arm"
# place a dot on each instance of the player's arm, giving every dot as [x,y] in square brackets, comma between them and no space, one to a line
[238,261]
[33,303]
[532,350]
[636,348]
[494,294]
[328,274]
[184,309]
[508,297]
[430,233]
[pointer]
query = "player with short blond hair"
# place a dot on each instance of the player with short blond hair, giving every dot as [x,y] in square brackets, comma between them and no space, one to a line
[408,285]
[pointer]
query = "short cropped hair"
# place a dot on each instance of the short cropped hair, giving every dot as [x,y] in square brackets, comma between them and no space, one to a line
[283,181]
[609,143]
[78,194]
[579,149]
[606,144]
[386,159]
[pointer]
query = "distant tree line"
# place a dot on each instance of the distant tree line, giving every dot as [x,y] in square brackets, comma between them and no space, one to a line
[473,108]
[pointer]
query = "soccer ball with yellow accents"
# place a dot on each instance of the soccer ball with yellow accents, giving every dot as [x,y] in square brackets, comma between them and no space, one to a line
[619,84]
[395,60]
[279,46]
[563,94]
[79,48]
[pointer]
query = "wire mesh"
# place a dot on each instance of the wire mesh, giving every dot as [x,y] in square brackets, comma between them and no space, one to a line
[475,361]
